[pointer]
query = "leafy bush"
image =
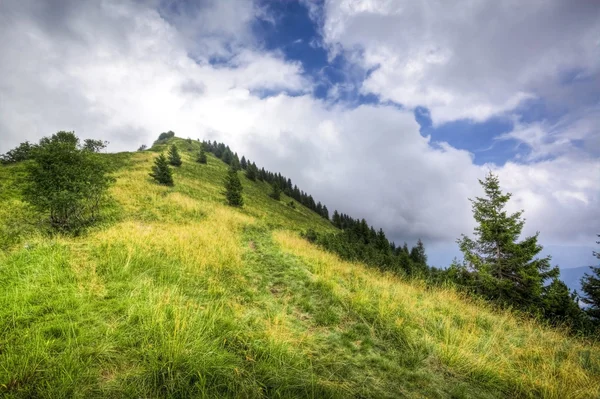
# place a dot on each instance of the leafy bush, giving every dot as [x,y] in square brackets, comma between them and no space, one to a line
[18,154]
[66,181]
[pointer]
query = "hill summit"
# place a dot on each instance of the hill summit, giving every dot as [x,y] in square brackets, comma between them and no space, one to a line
[176,294]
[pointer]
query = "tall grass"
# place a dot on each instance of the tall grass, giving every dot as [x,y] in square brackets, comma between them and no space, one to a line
[178,295]
[517,356]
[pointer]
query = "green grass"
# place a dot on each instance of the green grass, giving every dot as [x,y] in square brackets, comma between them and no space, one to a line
[174,294]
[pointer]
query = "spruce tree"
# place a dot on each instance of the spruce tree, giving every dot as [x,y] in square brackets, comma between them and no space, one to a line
[161,172]
[202,155]
[502,267]
[227,156]
[235,162]
[174,158]
[276,194]
[233,188]
[251,172]
[243,163]
[417,254]
[336,219]
[590,285]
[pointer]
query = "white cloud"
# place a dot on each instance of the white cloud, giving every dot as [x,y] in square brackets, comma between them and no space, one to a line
[122,72]
[466,59]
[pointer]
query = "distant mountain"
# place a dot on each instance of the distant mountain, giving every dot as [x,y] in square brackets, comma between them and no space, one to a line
[572,277]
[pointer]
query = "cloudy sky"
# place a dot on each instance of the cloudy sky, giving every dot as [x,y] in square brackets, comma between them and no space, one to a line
[389,110]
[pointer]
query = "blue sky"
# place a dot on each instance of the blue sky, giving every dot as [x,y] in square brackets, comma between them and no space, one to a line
[388,110]
[291,30]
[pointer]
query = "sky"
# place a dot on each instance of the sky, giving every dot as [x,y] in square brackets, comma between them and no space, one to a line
[389,110]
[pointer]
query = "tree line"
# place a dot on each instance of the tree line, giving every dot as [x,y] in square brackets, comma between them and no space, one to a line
[280,183]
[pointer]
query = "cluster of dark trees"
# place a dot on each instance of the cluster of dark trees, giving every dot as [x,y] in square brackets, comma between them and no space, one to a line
[279,182]
[161,171]
[360,242]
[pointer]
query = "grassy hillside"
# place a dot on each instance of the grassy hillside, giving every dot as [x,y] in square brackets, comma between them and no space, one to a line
[176,294]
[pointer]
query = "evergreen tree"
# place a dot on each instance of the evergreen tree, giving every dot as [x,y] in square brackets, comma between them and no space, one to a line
[251,172]
[202,155]
[325,213]
[243,163]
[233,188]
[336,219]
[161,172]
[276,194]
[502,267]
[227,156]
[174,158]
[417,254]
[560,304]
[235,162]
[590,285]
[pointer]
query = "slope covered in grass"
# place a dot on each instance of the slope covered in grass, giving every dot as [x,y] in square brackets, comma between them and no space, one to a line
[176,294]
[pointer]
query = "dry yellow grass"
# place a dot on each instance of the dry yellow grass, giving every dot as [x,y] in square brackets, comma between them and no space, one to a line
[469,338]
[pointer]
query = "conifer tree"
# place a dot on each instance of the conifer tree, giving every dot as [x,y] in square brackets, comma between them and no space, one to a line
[590,285]
[417,254]
[325,213]
[251,172]
[336,219]
[161,172]
[202,155]
[233,188]
[174,158]
[227,156]
[276,194]
[235,162]
[502,267]
[243,163]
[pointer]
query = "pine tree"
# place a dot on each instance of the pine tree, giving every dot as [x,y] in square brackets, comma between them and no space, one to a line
[503,268]
[276,194]
[590,285]
[227,156]
[417,254]
[336,219]
[174,158]
[235,162]
[161,172]
[560,304]
[251,172]
[325,213]
[202,155]
[233,188]
[243,163]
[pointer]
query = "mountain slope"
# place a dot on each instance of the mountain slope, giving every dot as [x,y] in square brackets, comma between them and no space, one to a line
[176,294]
